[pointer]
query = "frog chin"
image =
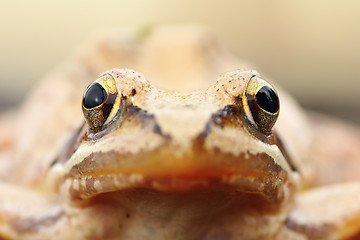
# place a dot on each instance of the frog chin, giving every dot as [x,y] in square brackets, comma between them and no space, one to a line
[250,174]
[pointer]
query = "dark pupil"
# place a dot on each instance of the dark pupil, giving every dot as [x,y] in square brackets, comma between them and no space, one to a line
[267,99]
[94,96]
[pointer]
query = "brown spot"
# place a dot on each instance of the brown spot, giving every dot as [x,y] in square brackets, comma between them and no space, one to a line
[228,115]
[145,119]
[233,115]
[157,129]
[132,110]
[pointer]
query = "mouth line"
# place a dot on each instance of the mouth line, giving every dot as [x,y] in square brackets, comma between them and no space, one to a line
[269,186]
[99,173]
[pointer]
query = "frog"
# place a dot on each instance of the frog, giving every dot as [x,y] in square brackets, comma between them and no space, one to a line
[178,140]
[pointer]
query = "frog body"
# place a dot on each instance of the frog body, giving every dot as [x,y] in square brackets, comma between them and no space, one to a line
[198,157]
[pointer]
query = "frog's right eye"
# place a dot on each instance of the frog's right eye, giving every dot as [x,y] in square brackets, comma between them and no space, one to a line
[101,103]
[261,104]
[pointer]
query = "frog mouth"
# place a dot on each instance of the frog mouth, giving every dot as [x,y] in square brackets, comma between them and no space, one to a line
[246,173]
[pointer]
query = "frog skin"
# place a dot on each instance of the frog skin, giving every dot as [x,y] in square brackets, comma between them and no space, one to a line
[146,162]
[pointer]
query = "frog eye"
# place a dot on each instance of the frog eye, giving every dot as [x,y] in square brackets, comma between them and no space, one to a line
[261,104]
[101,102]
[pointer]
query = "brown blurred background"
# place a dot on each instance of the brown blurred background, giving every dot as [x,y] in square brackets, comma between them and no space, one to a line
[312,48]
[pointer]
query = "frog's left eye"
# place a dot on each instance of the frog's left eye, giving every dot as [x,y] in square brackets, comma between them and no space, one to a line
[101,102]
[261,104]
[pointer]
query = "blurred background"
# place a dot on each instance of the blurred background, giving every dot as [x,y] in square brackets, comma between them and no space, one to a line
[312,48]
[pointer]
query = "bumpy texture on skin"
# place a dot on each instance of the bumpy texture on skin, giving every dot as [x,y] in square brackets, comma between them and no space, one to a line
[172,164]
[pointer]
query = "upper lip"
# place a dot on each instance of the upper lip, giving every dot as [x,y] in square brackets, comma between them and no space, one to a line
[108,172]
